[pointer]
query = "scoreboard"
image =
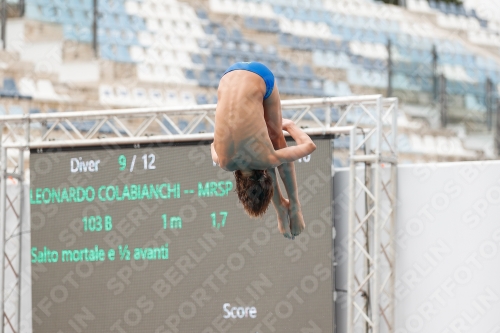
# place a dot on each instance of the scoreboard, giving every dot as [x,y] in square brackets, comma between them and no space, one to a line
[153,239]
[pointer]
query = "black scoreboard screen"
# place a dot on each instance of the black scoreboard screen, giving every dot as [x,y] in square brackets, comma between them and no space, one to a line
[154,239]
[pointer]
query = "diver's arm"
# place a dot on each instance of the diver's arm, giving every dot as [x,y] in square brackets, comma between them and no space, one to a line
[304,147]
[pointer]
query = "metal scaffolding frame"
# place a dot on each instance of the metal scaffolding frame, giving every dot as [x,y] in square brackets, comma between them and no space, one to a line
[369,120]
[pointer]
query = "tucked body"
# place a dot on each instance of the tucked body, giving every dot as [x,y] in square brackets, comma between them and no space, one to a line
[249,140]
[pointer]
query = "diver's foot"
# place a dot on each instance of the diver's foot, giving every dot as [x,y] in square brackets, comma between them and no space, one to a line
[297,224]
[284,228]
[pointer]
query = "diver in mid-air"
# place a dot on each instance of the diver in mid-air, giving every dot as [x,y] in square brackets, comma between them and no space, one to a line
[249,140]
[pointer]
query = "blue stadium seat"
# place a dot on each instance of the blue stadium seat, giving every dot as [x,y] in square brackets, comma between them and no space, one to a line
[208,30]
[204,79]
[281,69]
[33,11]
[315,16]
[107,20]
[190,75]
[250,23]
[107,52]
[69,32]
[222,33]
[273,26]
[201,14]
[82,17]
[263,25]
[102,36]
[236,35]
[137,23]
[115,36]
[307,72]
[201,99]
[453,9]
[318,44]
[79,4]
[64,15]
[293,70]
[291,86]
[49,14]
[123,54]
[284,39]
[461,10]
[225,62]
[278,9]
[211,63]
[303,87]
[196,58]
[10,90]
[288,12]
[116,7]
[83,34]
[123,21]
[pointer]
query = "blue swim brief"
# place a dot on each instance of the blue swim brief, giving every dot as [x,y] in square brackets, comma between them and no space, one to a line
[259,69]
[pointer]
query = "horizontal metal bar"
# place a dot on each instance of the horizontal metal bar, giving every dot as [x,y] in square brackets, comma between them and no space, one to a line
[184,109]
[161,139]
[374,159]
[13,175]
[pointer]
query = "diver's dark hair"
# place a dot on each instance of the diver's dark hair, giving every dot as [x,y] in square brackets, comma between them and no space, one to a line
[255,191]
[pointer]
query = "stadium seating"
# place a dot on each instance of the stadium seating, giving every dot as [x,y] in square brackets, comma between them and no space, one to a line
[9,90]
[177,52]
[173,42]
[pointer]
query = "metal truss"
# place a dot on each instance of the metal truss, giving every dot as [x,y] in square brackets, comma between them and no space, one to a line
[369,120]
[371,254]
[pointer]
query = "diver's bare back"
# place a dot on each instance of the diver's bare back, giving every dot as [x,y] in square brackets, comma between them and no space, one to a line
[241,139]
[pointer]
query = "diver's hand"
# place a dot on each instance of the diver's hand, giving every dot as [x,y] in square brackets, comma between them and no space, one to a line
[286,123]
[283,218]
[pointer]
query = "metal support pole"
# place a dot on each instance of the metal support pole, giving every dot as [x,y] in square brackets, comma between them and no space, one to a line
[435,82]
[328,116]
[497,125]
[21,218]
[389,68]
[3,223]
[369,247]
[443,100]
[489,103]
[22,7]
[351,227]
[375,295]
[392,235]
[94,28]
[4,23]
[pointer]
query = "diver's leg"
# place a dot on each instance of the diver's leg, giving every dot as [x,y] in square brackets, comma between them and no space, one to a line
[281,206]
[273,117]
